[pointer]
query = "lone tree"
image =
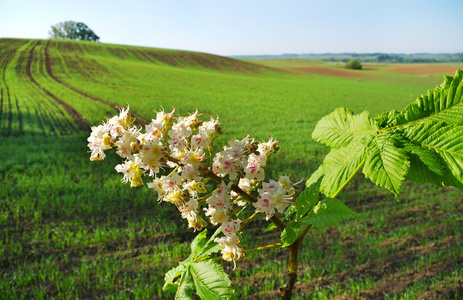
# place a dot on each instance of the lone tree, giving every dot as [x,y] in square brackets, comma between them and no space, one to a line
[71,30]
[354,64]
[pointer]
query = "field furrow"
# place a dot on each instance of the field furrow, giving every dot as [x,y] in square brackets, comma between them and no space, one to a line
[76,116]
[49,64]
[50,73]
[39,121]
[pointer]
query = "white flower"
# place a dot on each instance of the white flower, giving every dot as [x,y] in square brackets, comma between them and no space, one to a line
[121,122]
[151,156]
[245,184]
[99,141]
[209,128]
[131,171]
[274,195]
[169,188]
[231,160]
[189,172]
[200,140]
[128,142]
[255,167]
[233,250]
[205,133]
[257,163]
[231,227]
[193,157]
[194,188]
[177,144]
[182,128]
[265,204]
[219,204]
[265,149]
[190,212]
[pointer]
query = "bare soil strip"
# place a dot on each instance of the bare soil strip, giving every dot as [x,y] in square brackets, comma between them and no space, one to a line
[329,72]
[81,122]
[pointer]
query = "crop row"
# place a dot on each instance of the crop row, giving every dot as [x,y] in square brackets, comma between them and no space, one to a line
[32,100]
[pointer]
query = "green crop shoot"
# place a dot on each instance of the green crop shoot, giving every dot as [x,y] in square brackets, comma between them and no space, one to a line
[228,188]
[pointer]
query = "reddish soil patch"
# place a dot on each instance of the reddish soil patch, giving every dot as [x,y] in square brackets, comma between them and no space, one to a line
[425,70]
[329,71]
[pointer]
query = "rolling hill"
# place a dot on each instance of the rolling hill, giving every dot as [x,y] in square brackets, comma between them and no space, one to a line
[42,81]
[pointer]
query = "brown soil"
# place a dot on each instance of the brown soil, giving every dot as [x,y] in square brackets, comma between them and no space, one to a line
[419,69]
[330,71]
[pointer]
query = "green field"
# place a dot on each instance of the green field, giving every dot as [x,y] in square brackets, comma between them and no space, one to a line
[70,229]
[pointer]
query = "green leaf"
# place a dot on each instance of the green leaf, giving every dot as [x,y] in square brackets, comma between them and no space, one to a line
[387,119]
[338,167]
[341,127]
[386,164]
[427,157]
[445,140]
[270,227]
[170,276]
[185,286]
[328,212]
[443,103]
[290,234]
[307,199]
[420,173]
[210,247]
[198,242]
[191,271]
[211,281]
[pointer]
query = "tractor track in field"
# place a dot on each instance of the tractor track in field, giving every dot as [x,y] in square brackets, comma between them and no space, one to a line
[139,120]
[9,112]
[79,120]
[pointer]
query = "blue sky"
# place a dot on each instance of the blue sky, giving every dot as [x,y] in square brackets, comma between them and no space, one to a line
[240,27]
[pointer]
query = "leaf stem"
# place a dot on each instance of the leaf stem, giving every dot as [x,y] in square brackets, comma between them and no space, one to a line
[277,245]
[246,221]
[348,179]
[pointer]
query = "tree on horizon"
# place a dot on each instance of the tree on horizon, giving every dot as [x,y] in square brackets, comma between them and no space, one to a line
[70,30]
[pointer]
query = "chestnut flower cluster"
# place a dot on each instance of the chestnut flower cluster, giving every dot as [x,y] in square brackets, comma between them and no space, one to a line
[184,145]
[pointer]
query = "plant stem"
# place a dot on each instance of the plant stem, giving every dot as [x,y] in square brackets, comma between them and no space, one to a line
[278,223]
[234,187]
[287,290]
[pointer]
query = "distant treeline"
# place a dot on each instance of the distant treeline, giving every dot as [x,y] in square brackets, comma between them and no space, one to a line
[366,57]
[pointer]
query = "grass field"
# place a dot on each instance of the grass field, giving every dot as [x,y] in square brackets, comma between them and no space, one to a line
[70,229]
